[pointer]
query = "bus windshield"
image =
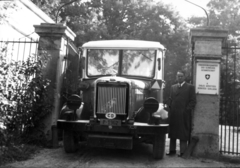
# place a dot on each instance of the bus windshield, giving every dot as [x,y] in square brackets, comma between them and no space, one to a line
[121,62]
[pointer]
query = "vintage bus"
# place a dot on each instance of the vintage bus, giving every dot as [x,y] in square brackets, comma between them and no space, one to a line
[121,97]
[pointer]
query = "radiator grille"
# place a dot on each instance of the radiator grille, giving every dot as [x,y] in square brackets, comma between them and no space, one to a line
[111,99]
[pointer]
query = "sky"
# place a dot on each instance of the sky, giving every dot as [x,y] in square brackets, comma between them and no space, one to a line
[186,9]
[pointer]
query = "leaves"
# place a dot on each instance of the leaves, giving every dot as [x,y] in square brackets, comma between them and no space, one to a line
[48,6]
[6,10]
[126,19]
[24,98]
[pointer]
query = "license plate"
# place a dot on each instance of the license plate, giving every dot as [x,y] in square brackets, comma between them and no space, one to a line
[110,122]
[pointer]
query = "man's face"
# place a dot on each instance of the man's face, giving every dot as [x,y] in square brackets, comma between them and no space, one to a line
[180,77]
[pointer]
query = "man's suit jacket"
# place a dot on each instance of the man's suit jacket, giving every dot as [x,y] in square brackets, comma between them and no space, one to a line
[182,104]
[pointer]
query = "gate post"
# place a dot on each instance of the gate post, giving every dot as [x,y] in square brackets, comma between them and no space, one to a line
[53,44]
[206,44]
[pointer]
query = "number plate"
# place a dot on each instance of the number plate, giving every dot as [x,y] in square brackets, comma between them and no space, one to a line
[110,122]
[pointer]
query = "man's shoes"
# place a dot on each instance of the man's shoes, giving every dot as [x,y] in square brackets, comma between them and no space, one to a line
[180,155]
[171,153]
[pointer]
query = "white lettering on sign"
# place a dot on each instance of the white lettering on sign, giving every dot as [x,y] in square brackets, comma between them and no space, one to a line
[207,78]
[110,115]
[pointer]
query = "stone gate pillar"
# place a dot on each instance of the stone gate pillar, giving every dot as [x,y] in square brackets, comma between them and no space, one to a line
[206,43]
[53,44]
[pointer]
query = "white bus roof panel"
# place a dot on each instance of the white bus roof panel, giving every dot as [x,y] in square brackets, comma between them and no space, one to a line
[141,44]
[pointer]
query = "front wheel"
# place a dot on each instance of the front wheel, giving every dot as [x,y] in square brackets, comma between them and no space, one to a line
[69,141]
[159,146]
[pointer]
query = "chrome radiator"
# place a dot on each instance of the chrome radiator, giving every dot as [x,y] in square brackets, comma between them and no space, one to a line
[112,98]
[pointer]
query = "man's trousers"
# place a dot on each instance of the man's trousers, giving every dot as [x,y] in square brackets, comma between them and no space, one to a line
[183,145]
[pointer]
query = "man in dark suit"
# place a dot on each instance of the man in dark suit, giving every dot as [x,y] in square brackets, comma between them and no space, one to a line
[183,100]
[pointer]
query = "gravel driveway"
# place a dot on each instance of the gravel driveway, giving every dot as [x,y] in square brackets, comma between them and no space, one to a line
[140,156]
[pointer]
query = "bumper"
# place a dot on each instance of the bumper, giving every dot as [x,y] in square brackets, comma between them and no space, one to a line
[135,129]
[106,141]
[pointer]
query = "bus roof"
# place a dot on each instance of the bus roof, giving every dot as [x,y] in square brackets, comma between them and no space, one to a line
[126,44]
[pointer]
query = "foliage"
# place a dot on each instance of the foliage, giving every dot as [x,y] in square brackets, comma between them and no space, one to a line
[17,153]
[6,10]
[108,19]
[24,103]
[48,6]
[230,85]
[225,14]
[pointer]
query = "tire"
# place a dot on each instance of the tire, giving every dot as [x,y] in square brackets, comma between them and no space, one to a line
[159,146]
[69,142]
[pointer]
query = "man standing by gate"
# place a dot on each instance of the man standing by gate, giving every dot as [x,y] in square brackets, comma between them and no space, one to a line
[183,100]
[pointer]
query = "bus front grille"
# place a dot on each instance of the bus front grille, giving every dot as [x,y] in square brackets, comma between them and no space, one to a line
[112,98]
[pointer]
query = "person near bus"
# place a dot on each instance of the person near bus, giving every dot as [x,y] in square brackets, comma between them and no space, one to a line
[183,101]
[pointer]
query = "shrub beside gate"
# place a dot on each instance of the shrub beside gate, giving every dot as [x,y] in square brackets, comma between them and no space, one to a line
[24,103]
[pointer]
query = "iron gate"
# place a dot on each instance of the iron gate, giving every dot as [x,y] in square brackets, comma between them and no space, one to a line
[229,120]
[12,52]
[19,50]
[15,52]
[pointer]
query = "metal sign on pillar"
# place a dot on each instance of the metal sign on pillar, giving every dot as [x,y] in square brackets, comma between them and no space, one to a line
[207,76]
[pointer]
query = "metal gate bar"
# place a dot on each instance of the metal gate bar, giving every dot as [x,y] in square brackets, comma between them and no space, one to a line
[229,101]
[19,50]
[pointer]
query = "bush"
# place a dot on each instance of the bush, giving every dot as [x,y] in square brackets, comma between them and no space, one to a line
[18,153]
[24,103]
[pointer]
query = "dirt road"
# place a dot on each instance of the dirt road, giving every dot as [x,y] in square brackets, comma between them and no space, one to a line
[140,156]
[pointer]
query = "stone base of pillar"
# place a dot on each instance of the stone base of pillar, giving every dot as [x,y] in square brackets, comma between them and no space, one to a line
[54,136]
[207,146]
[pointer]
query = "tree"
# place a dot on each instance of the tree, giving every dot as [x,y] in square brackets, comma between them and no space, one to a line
[48,6]
[226,15]
[126,19]
[6,10]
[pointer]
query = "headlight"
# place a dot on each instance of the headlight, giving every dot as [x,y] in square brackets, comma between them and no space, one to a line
[151,105]
[74,102]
